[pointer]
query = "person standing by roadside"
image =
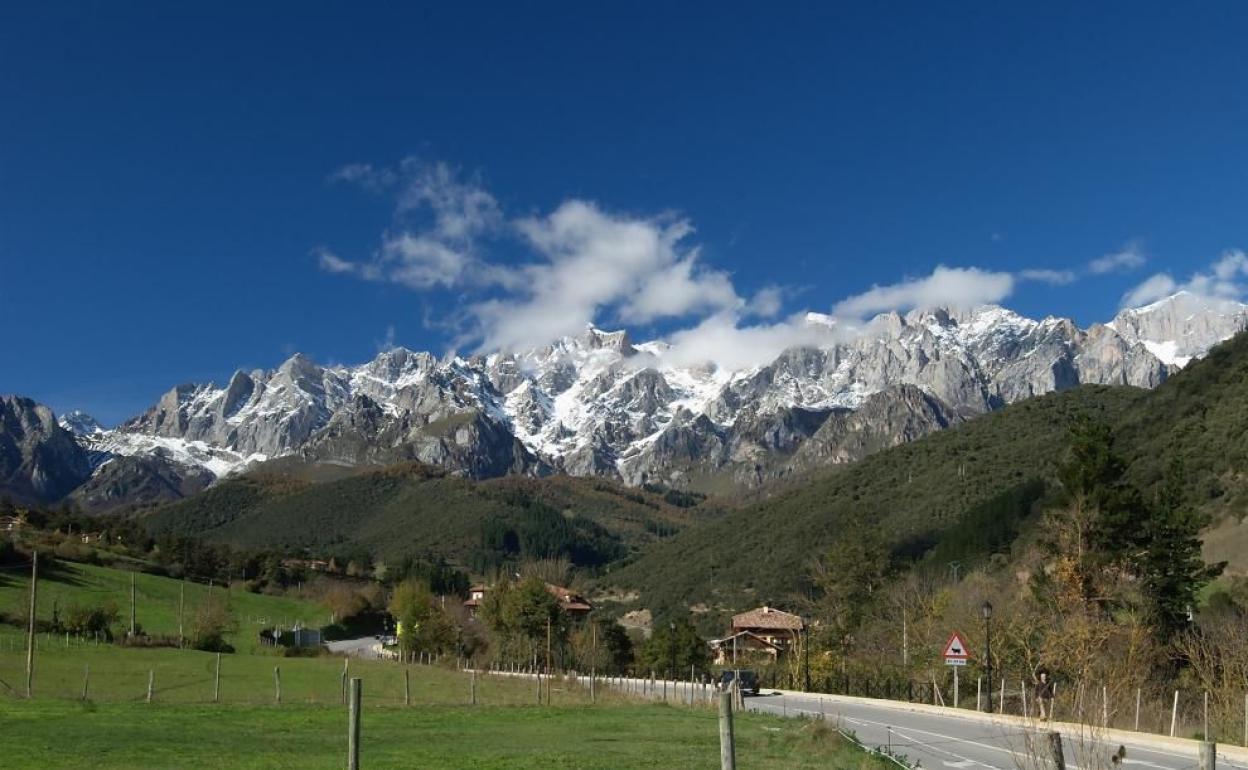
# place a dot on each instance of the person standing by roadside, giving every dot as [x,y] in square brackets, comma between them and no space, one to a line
[1044,696]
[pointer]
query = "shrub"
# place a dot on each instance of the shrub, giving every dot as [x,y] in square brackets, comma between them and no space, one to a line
[91,620]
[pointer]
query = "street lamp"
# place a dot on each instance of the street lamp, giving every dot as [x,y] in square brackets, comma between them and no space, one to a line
[986,611]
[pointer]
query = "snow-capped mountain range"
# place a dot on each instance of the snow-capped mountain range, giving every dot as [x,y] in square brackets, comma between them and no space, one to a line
[598,404]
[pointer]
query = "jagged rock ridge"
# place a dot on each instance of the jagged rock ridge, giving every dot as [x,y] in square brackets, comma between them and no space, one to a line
[598,404]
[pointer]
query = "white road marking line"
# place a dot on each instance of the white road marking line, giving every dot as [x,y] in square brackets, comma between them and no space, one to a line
[964,761]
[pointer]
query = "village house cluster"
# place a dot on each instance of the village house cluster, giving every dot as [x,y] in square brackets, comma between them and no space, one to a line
[575,605]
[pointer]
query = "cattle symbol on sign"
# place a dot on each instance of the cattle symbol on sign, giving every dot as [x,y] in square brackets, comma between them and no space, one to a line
[955,651]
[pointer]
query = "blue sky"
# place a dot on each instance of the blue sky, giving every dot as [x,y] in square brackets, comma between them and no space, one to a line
[185,195]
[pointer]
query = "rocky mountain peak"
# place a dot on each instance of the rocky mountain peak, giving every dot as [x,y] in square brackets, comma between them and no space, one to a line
[600,404]
[39,460]
[80,423]
[1182,326]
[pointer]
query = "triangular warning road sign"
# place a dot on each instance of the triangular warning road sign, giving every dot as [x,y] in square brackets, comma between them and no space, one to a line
[955,648]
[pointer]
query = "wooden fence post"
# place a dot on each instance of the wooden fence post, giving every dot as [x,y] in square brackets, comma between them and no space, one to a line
[151,680]
[1174,713]
[216,681]
[277,685]
[86,678]
[472,688]
[30,624]
[1207,737]
[407,687]
[353,726]
[1055,748]
[727,743]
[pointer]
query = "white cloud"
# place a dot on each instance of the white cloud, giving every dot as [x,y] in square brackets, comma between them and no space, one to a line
[1051,277]
[1226,278]
[963,287]
[332,263]
[364,175]
[767,302]
[441,252]
[1127,258]
[595,263]
[581,264]
[461,209]
[422,261]
[720,339]
[1152,289]
[387,344]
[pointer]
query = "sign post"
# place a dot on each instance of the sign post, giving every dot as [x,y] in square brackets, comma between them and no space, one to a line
[955,655]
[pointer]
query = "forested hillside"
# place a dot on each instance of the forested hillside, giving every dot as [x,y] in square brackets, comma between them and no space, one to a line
[958,484]
[414,509]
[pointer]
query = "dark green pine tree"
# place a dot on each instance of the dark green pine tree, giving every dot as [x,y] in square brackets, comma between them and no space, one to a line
[1172,570]
[1094,475]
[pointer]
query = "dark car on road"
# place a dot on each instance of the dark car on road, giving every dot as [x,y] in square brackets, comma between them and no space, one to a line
[748,680]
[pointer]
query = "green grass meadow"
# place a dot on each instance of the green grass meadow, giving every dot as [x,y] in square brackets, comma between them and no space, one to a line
[115,727]
[65,734]
[424,719]
[157,602]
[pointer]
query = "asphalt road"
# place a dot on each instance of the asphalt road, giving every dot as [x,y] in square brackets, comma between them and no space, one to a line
[946,738]
[363,647]
[950,740]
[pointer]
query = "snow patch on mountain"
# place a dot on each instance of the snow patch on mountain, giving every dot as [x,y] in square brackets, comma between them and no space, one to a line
[80,423]
[597,403]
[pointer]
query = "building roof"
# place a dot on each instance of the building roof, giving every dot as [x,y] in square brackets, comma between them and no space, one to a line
[769,618]
[743,636]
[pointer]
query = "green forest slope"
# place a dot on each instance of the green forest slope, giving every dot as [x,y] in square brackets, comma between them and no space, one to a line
[917,494]
[417,510]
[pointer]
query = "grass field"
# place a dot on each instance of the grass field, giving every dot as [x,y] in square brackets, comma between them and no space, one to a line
[74,735]
[116,728]
[187,676]
[157,605]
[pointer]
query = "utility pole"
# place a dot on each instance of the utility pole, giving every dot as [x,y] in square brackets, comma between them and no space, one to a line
[986,612]
[30,625]
[548,669]
[132,599]
[806,656]
[905,642]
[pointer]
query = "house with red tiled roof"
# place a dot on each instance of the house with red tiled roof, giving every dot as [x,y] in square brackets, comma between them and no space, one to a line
[779,629]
